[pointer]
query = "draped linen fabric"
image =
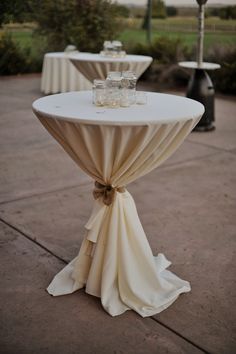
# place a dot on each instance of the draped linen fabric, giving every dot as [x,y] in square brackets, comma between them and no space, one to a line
[115,261]
[59,75]
[94,66]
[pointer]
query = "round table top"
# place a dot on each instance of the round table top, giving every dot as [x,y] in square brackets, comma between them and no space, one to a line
[60,54]
[78,107]
[100,58]
[194,65]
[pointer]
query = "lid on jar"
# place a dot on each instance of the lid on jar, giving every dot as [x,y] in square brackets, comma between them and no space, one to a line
[114,74]
[99,83]
[128,74]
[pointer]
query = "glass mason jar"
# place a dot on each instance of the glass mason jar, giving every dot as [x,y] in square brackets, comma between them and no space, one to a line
[99,92]
[117,46]
[113,89]
[141,97]
[106,47]
[114,74]
[128,84]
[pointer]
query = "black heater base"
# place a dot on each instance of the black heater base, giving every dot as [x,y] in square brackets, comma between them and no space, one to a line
[200,88]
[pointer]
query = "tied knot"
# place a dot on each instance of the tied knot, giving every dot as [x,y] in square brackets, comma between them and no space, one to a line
[106,192]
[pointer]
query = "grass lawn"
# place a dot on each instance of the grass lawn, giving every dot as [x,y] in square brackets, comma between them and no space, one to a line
[132,36]
[26,39]
[23,38]
[221,32]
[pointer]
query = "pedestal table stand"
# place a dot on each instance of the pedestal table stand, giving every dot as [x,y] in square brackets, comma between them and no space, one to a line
[200,88]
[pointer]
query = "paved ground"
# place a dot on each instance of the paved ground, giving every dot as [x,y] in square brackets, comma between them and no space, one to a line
[188,213]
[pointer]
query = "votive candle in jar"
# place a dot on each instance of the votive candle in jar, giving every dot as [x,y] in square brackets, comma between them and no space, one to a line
[99,92]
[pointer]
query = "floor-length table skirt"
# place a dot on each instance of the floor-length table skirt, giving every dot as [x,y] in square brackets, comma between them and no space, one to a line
[60,75]
[116,147]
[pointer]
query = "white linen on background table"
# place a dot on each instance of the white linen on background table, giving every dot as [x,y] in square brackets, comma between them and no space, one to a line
[95,66]
[60,75]
[203,66]
[115,261]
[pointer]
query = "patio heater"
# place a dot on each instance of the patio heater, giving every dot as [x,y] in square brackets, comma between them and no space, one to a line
[200,86]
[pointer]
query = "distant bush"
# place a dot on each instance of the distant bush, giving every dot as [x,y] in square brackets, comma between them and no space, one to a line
[15,60]
[225,78]
[228,12]
[166,53]
[171,11]
[12,60]
[166,73]
[164,49]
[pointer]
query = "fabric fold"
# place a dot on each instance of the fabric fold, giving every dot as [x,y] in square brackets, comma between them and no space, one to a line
[122,270]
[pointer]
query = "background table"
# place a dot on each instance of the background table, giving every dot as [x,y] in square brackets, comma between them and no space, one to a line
[201,88]
[59,75]
[115,147]
[194,65]
[95,66]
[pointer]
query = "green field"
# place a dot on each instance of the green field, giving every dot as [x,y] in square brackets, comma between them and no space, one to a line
[217,31]
[220,32]
[131,36]
[211,23]
[23,38]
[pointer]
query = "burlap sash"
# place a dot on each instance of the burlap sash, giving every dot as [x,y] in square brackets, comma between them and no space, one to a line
[106,192]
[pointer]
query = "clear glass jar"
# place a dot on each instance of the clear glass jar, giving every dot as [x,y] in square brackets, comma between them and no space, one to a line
[107,47]
[128,84]
[114,74]
[99,92]
[70,48]
[141,97]
[117,46]
[113,89]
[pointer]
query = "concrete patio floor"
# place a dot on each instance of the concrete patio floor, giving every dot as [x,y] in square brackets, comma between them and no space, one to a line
[188,210]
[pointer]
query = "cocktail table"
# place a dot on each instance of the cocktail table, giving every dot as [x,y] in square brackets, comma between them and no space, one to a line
[115,147]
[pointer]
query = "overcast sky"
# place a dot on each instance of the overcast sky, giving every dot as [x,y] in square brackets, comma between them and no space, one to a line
[180,2]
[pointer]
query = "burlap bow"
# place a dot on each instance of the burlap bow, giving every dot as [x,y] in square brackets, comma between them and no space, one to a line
[106,192]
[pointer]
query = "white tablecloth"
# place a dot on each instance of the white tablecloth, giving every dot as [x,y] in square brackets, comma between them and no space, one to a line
[194,65]
[59,75]
[115,147]
[95,66]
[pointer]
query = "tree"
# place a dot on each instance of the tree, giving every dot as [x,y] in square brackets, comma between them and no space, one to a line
[228,12]
[148,14]
[171,11]
[158,9]
[122,10]
[84,23]
[16,11]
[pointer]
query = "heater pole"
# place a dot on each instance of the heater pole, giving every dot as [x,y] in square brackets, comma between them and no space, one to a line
[200,34]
